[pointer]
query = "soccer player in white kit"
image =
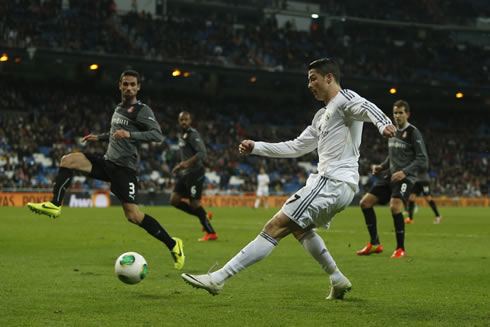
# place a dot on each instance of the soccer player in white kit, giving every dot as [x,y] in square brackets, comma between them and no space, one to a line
[262,188]
[335,133]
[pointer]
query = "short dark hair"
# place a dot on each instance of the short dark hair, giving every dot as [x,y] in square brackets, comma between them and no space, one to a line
[402,103]
[325,66]
[130,72]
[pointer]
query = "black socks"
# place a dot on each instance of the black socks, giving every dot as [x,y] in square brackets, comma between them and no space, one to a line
[153,227]
[399,230]
[62,183]
[370,217]
[199,213]
[411,206]
[434,207]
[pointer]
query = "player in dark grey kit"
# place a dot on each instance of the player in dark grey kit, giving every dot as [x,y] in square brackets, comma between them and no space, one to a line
[422,186]
[190,175]
[133,122]
[407,156]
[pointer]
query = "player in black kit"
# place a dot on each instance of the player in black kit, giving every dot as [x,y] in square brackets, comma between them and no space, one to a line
[190,175]
[132,123]
[407,156]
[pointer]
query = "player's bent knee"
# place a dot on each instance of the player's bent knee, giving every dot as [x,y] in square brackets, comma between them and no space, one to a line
[76,161]
[366,203]
[133,218]
[396,206]
[175,200]
[134,215]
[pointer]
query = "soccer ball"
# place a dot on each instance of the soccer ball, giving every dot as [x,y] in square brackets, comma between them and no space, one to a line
[131,267]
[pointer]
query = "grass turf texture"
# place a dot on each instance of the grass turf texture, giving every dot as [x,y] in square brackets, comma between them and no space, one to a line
[60,272]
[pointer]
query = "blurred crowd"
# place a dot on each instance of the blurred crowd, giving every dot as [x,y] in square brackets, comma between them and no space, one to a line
[394,53]
[40,123]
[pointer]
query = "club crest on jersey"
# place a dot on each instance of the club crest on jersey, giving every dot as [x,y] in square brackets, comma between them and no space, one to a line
[130,109]
[404,135]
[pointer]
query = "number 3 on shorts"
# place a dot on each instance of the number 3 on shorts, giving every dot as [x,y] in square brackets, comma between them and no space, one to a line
[131,188]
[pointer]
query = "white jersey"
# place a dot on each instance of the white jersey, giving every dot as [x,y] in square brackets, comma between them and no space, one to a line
[335,132]
[263,180]
[263,185]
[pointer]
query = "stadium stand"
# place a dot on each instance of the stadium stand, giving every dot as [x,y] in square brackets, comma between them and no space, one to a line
[49,123]
[425,43]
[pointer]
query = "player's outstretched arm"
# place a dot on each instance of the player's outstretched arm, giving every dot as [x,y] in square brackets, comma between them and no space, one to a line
[91,138]
[246,147]
[389,131]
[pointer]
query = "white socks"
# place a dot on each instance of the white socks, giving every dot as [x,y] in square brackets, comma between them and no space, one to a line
[255,251]
[314,245]
[257,202]
[263,245]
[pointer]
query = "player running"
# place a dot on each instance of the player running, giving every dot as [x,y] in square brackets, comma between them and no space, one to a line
[190,176]
[133,122]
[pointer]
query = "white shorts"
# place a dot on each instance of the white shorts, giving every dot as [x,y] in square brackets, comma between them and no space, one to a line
[318,201]
[263,191]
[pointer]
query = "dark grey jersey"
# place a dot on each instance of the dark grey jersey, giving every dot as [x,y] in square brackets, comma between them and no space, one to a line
[190,144]
[138,119]
[407,152]
[423,176]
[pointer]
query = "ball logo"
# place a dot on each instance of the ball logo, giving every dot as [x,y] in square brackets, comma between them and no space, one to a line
[127,260]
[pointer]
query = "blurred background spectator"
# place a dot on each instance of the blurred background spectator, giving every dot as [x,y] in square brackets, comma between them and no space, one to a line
[242,75]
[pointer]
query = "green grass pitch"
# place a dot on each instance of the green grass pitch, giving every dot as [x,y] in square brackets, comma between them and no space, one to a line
[60,272]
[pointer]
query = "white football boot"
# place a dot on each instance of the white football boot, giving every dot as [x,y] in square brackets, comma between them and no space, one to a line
[338,289]
[204,282]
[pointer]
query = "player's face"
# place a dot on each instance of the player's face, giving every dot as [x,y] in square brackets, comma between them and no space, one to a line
[318,84]
[129,87]
[185,121]
[400,116]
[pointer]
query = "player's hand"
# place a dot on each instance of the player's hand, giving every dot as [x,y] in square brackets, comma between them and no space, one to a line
[121,134]
[389,131]
[376,169]
[398,176]
[90,138]
[178,167]
[246,147]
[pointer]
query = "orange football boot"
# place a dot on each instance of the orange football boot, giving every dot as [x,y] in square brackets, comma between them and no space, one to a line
[209,237]
[399,253]
[370,249]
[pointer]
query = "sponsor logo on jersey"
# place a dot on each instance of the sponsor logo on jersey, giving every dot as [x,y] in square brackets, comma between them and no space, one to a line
[121,121]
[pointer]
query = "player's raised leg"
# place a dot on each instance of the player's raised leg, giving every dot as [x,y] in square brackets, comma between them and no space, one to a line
[73,161]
